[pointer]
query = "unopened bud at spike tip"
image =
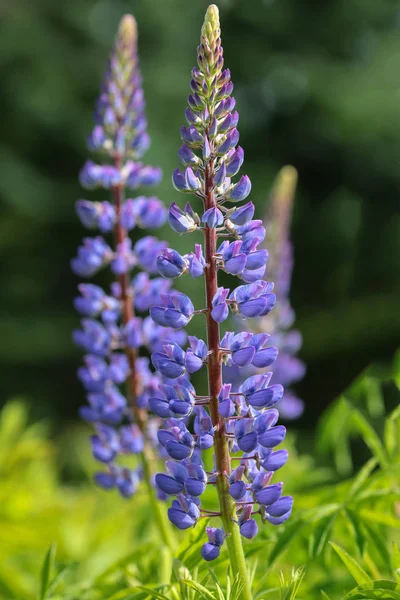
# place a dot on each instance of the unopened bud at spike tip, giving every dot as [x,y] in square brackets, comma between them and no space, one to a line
[127,31]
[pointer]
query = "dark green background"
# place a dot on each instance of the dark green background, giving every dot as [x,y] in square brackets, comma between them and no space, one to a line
[317,85]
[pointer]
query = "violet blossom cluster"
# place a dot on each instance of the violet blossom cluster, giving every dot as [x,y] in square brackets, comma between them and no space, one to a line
[111,333]
[242,422]
[288,368]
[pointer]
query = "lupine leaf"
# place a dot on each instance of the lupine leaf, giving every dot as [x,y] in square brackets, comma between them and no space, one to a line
[352,565]
[237,588]
[390,433]
[47,568]
[375,590]
[293,587]
[380,517]
[396,557]
[292,530]
[356,526]
[369,436]
[319,537]
[152,593]
[228,584]
[220,595]
[378,542]
[375,403]
[362,476]
[203,591]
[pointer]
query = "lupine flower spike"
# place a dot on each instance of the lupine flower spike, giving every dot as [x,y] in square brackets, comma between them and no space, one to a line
[241,427]
[111,333]
[288,368]
[276,329]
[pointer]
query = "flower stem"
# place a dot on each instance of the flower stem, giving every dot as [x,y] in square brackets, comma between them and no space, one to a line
[133,384]
[214,365]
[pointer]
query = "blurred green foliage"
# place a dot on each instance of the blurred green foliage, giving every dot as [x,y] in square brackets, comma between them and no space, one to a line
[72,541]
[317,86]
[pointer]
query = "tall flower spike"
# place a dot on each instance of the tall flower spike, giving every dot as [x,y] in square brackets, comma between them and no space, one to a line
[243,422]
[111,333]
[288,369]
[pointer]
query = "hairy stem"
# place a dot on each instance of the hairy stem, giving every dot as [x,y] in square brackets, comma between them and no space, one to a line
[133,383]
[214,365]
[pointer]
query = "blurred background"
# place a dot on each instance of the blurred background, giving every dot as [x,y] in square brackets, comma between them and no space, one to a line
[317,85]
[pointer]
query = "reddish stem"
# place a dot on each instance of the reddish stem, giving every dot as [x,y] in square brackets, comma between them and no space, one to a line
[215,355]
[127,305]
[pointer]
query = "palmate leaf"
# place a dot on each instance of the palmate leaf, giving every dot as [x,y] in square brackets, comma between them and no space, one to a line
[351,565]
[375,590]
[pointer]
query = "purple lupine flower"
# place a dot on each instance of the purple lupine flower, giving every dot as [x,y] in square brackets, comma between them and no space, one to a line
[182,221]
[242,421]
[176,312]
[111,334]
[184,512]
[171,264]
[172,401]
[211,549]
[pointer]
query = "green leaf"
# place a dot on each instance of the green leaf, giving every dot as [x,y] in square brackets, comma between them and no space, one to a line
[332,434]
[380,517]
[319,537]
[356,525]
[369,436]
[377,542]
[396,369]
[220,595]
[290,532]
[203,591]
[375,590]
[351,565]
[362,477]
[47,568]
[291,590]
[325,595]
[396,557]
[151,592]
[390,435]
[375,403]
[237,588]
